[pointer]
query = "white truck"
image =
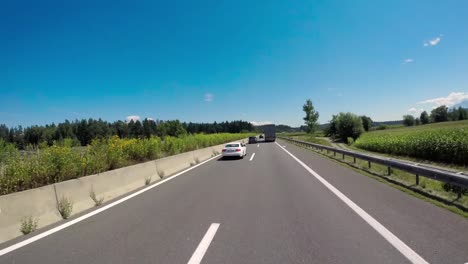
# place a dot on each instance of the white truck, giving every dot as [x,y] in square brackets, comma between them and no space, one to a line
[270,133]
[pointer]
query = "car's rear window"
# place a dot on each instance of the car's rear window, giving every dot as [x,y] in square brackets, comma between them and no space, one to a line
[232,145]
[251,137]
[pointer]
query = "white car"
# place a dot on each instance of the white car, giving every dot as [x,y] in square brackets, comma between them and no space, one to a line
[235,149]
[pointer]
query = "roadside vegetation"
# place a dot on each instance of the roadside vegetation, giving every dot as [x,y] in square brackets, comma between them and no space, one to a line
[65,207]
[28,225]
[62,161]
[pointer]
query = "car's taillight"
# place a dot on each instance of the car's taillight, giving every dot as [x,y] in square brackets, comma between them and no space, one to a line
[224,150]
[238,150]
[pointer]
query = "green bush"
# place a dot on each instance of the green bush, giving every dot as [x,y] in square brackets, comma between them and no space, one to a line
[7,150]
[62,162]
[347,125]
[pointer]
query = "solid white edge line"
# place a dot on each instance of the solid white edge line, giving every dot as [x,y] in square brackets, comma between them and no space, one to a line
[253,155]
[204,244]
[95,212]
[404,249]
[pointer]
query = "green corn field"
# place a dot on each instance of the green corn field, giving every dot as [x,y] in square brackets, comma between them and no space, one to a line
[445,142]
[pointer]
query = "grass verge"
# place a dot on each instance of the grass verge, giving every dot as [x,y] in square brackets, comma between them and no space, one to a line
[428,189]
[313,139]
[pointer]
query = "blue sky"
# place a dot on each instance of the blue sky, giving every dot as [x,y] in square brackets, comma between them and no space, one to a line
[210,61]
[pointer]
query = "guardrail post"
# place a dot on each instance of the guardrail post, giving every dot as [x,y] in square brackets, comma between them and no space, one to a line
[417,179]
[389,170]
[369,163]
[343,156]
[354,160]
[334,153]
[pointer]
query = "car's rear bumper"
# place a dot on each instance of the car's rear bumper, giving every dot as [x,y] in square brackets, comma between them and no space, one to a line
[232,154]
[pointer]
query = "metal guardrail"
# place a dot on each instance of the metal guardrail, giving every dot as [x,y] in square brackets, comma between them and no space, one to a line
[452,178]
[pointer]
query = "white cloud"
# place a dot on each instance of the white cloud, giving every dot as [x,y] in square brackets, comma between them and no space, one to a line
[406,61]
[209,97]
[415,111]
[261,123]
[133,117]
[433,42]
[452,99]
[150,119]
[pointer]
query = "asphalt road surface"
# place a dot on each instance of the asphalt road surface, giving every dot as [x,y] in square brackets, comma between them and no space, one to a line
[272,208]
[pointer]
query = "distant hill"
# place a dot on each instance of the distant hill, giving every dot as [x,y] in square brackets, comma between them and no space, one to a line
[289,129]
[463,104]
[324,126]
[388,123]
[282,128]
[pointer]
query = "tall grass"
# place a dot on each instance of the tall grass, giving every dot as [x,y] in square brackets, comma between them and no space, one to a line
[442,142]
[62,162]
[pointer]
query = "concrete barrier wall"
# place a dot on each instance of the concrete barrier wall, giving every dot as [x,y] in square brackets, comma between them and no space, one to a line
[218,148]
[173,164]
[106,185]
[41,203]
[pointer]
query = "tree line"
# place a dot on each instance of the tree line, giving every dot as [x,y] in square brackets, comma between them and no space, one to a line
[348,126]
[439,114]
[82,132]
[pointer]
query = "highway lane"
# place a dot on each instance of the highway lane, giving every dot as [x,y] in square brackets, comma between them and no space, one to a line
[269,210]
[439,235]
